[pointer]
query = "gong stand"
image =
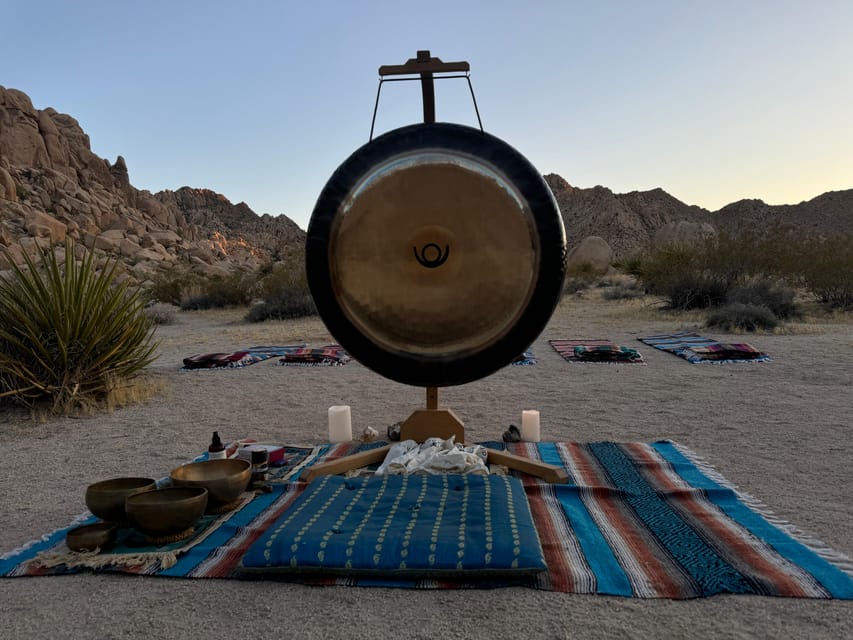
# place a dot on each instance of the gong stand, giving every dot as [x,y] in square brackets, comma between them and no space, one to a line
[431,421]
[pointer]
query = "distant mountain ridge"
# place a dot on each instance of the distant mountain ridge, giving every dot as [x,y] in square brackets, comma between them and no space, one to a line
[53,186]
[629,221]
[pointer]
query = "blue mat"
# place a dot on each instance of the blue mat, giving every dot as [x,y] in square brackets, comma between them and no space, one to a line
[405,526]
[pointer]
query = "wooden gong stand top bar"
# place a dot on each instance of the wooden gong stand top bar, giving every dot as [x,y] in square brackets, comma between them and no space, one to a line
[425,66]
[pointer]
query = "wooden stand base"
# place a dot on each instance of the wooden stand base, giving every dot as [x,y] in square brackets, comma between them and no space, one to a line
[432,423]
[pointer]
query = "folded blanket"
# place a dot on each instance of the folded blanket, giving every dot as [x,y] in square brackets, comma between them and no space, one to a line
[698,349]
[606,353]
[332,355]
[214,360]
[596,351]
[721,351]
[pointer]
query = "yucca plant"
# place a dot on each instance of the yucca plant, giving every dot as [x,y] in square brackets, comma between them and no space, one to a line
[70,333]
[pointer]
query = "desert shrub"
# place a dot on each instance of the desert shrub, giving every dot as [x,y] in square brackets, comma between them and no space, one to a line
[285,293]
[706,273]
[827,271]
[623,292]
[160,314]
[695,290]
[70,334]
[173,287]
[234,290]
[579,277]
[632,265]
[288,304]
[767,293]
[682,276]
[744,317]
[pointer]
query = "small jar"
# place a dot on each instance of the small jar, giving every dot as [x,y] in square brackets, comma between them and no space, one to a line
[260,465]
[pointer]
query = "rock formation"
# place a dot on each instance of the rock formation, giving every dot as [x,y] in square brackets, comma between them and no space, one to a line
[52,185]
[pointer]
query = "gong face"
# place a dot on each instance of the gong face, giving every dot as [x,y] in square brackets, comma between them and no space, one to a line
[435,254]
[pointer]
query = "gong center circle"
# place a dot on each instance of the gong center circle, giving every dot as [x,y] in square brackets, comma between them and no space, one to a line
[433,254]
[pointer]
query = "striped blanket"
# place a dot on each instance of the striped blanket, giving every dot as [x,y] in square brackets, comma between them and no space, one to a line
[332,355]
[596,351]
[635,520]
[698,349]
[237,359]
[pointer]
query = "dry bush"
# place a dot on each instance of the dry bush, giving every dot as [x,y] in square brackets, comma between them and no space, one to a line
[743,317]
[285,293]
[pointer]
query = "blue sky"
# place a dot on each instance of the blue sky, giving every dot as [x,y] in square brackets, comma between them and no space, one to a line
[713,101]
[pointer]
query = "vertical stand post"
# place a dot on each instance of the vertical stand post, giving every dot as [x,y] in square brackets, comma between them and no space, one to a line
[427,89]
[432,398]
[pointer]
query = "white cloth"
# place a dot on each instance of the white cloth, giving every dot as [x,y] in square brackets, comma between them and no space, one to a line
[434,456]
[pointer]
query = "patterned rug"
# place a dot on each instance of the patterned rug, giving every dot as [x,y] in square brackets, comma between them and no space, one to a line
[596,351]
[238,359]
[698,349]
[332,355]
[635,520]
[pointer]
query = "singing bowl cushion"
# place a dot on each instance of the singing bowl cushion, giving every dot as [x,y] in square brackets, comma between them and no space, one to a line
[436,254]
[439,526]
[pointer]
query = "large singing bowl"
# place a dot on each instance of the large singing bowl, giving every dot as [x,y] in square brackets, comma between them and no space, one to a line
[436,254]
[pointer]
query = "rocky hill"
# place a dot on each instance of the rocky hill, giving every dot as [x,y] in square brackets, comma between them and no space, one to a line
[632,221]
[52,185]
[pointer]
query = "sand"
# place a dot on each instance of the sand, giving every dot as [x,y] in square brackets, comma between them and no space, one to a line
[779,431]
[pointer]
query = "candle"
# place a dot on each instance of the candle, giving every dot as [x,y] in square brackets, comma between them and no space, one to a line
[340,424]
[530,425]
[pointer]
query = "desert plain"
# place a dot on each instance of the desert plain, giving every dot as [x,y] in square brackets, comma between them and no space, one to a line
[780,431]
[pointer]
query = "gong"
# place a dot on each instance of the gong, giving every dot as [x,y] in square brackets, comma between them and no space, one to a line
[436,254]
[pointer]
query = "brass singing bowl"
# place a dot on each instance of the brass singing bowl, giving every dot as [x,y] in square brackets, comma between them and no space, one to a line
[436,254]
[90,537]
[224,479]
[105,499]
[166,512]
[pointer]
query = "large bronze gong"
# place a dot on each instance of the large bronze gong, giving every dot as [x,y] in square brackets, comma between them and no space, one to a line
[436,254]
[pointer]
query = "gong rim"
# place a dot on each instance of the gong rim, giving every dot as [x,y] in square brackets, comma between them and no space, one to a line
[362,329]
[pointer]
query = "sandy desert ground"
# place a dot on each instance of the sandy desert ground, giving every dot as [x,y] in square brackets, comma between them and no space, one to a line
[779,431]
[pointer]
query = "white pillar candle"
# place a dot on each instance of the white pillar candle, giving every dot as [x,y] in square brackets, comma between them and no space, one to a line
[530,425]
[340,424]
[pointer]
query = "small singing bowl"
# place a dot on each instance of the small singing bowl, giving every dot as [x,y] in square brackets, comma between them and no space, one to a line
[91,537]
[166,512]
[224,479]
[105,499]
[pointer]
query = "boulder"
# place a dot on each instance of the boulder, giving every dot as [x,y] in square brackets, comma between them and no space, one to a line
[43,225]
[166,238]
[107,243]
[594,251]
[8,191]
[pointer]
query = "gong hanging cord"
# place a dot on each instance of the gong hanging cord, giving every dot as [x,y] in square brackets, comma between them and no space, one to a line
[467,77]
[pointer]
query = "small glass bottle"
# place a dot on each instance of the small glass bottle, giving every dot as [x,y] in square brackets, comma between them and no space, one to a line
[216,450]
